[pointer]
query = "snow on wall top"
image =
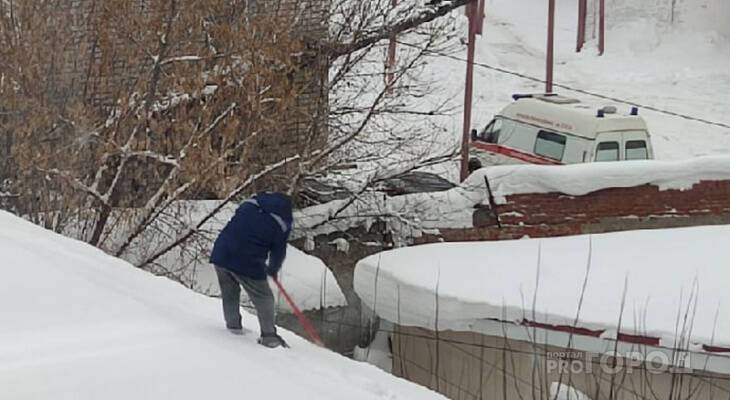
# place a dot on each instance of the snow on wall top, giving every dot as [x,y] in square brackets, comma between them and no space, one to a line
[411,215]
[667,272]
[96,327]
[582,179]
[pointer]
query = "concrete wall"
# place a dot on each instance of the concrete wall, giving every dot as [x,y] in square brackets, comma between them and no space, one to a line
[471,366]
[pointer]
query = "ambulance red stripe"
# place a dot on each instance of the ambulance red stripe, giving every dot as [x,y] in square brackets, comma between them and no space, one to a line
[514,153]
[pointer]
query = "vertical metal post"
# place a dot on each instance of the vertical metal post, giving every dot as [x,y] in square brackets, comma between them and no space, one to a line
[471,12]
[602,27]
[582,17]
[391,62]
[550,47]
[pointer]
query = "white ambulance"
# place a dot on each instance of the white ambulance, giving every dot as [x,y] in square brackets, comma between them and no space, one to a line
[553,129]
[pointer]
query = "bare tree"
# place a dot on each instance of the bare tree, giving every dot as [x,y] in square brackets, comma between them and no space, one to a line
[188,99]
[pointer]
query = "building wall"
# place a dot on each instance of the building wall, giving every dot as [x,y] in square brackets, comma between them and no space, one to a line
[471,366]
[82,72]
[608,210]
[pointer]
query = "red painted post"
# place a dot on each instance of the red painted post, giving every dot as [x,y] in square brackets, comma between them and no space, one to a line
[582,16]
[471,11]
[390,66]
[550,47]
[602,28]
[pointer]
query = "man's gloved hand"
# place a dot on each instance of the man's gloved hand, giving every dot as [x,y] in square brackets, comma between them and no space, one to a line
[272,272]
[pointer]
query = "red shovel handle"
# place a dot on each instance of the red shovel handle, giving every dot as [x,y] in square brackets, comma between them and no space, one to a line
[300,315]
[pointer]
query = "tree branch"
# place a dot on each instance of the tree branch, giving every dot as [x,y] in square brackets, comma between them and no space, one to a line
[77,184]
[437,9]
[232,195]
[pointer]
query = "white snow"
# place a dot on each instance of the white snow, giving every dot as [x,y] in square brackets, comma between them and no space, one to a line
[378,352]
[414,214]
[681,68]
[79,324]
[561,391]
[582,179]
[668,273]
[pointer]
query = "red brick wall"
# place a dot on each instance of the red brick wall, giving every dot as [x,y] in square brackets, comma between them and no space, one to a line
[608,210]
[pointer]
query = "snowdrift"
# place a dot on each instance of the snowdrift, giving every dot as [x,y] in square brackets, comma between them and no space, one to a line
[79,324]
[668,275]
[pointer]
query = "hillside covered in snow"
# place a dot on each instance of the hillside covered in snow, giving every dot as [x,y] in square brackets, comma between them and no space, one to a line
[79,324]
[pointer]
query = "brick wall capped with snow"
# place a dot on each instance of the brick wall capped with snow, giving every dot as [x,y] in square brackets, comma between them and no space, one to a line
[647,195]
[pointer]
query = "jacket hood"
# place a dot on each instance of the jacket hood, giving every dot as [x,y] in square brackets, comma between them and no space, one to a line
[276,203]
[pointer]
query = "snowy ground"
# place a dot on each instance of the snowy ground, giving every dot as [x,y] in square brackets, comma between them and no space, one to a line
[675,282]
[78,324]
[682,69]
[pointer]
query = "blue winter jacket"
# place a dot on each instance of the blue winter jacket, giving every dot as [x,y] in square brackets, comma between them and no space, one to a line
[258,231]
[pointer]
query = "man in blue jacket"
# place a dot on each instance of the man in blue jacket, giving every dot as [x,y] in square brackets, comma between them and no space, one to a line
[258,232]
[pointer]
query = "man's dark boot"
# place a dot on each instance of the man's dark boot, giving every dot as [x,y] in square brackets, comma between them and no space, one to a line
[272,340]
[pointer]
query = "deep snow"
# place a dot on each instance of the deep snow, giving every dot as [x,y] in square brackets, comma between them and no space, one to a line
[668,273]
[79,324]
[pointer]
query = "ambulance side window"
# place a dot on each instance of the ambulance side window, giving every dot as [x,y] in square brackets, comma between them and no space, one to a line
[550,145]
[636,150]
[492,131]
[607,151]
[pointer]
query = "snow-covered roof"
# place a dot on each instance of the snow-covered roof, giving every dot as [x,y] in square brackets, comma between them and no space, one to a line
[667,275]
[79,324]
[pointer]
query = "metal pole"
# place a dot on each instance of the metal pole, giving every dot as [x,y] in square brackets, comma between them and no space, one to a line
[582,16]
[602,28]
[468,90]
[550,46]
[390,73]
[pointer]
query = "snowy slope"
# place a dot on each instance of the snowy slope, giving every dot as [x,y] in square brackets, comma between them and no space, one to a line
[667,272]
[78,324]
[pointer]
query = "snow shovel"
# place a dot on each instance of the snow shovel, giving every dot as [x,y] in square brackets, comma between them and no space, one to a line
[300,315]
